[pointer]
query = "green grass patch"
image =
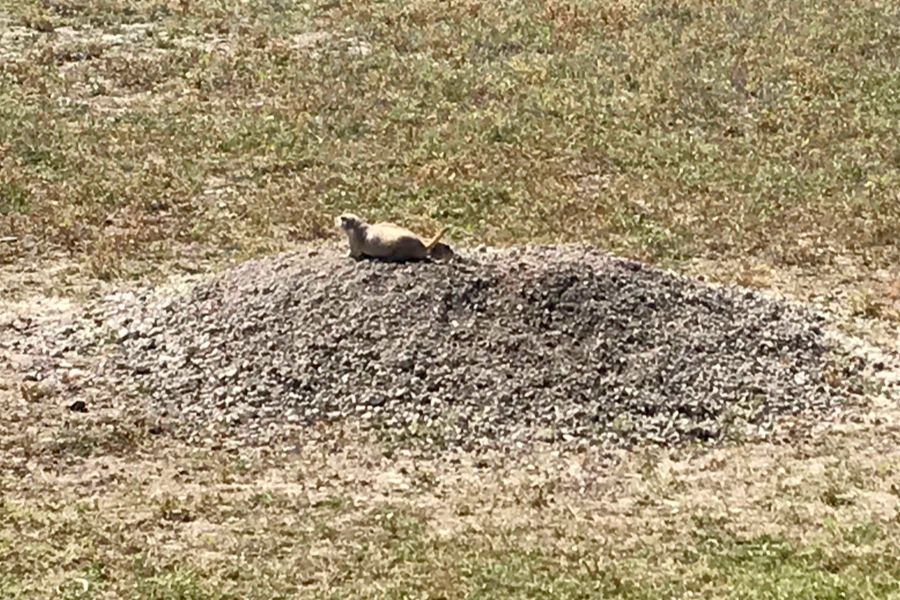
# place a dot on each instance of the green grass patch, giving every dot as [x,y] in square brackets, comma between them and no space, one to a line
[13,198]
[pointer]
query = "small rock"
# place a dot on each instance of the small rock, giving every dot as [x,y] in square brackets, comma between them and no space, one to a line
[33,391]
[78,406]
[73,375]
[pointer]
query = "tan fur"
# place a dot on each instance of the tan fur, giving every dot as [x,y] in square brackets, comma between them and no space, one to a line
[386,241]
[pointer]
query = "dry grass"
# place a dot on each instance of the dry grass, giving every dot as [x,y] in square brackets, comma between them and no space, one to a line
[131,130]
[135,515]
[754,138]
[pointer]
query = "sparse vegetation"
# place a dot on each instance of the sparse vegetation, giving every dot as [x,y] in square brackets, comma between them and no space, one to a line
[140,136]
[265,527]
[661,130]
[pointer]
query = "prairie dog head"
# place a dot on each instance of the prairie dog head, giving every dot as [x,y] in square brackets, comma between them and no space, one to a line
[349,222]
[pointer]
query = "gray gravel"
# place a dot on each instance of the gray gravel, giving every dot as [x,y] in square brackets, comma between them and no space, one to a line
[488,349]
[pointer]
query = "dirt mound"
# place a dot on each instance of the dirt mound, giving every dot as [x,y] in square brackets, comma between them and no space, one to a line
[492,348]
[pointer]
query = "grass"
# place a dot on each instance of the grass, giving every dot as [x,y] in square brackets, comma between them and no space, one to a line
[659,130]
[317,526]
[137,136]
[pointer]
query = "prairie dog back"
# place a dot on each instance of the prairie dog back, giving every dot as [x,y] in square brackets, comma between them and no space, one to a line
[386,241]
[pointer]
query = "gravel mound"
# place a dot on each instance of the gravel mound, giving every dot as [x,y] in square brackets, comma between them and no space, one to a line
[490,348]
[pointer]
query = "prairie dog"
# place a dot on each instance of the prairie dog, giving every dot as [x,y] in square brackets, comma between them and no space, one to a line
[384,240]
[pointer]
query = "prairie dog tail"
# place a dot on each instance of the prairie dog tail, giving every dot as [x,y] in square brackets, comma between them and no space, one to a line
[436,238]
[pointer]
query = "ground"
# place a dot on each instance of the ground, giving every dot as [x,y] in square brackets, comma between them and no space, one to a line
[749,143]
